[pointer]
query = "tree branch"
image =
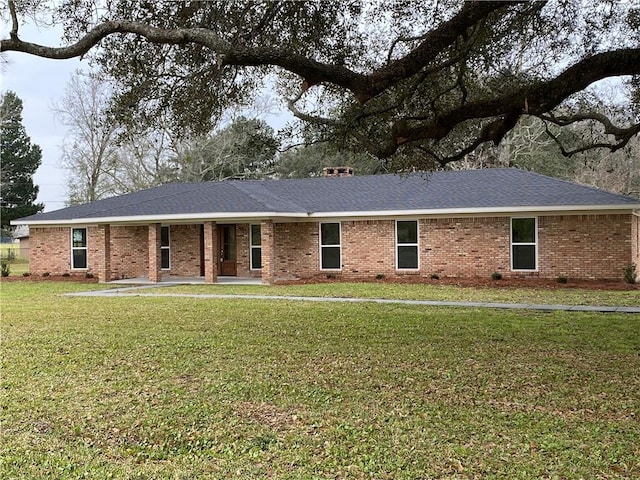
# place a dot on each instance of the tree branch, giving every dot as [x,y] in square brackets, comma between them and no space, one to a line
[539,98]
[13,34]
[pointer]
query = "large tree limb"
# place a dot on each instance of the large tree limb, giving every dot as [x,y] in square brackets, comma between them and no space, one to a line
[532,99]
[364,87]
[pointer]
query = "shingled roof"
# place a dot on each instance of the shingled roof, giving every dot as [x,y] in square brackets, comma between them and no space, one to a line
[451,192]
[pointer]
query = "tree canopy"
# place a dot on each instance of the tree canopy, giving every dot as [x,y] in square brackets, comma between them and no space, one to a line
[430,81]
[20,160]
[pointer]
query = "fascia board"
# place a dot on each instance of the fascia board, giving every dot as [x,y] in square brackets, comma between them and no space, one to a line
[577,209]
[175,218]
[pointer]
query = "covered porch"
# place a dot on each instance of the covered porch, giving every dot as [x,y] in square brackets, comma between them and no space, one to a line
[173,280]
[185,253]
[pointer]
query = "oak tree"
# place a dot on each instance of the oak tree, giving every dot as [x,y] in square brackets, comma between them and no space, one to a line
[432,81]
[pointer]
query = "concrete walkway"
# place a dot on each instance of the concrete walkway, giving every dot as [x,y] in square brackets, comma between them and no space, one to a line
[139,291]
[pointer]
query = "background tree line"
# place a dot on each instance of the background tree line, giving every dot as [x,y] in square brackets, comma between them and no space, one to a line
[104,157]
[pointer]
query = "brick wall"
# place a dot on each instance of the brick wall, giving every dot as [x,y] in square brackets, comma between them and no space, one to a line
[184,251]
[129,252]
[575,246]
[585,246]
[465,247]
[50,250]
[296,250]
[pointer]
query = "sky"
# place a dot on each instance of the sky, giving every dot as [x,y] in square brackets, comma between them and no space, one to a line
[39,83]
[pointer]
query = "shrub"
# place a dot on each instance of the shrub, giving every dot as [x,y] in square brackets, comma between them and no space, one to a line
[5,269]
[331,276]
[46,274]
[26,274]
[435,276]
[629,273]
[66,274]
[496,276]
[562,279]
[379,276]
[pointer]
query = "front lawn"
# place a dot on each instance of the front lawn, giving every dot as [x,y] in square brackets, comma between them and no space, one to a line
[189,388]
[564,296]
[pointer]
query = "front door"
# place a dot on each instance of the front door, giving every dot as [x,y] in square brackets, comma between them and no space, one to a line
[227,250]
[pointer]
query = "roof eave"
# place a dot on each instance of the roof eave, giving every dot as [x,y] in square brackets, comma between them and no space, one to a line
[143,219]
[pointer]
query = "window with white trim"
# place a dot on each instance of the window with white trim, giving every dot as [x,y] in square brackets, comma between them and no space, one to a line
[524,243]
[330,249]
[407,244]
[79,248]
[255,242]
[165,249]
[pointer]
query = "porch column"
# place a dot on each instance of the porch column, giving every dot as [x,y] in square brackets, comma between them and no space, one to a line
[210,252]
[268,244]
[155,261]
[104,253]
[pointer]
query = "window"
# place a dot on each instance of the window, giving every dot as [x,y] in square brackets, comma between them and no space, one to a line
[524,243]
[78,248]
[256,247]
[407,244]
[165,250]
[330,255]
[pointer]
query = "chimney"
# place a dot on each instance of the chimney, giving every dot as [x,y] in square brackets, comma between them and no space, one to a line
[337,172]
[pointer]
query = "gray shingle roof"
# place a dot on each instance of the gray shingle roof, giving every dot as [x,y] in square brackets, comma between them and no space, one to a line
[451,190]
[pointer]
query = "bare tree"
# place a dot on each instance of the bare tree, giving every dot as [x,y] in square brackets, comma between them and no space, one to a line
[89,151]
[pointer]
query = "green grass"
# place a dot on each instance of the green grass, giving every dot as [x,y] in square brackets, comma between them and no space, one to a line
[565,296]
[188,388]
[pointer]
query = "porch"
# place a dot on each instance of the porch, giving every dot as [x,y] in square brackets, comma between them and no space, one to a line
[173,280]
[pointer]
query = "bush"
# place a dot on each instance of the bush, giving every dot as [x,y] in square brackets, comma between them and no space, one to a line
[562,279]
[380,276]
[629,273]
[46,274]
[496,276]
[66,274]
[435,276]
[5,269]
[26,274]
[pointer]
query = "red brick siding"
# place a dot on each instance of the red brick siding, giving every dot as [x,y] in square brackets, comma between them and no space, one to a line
[575,246]
[368,248]
[184,250]
[296,250]
[584,246]
[243,252]
[129,251]
[464,247]
[50,250]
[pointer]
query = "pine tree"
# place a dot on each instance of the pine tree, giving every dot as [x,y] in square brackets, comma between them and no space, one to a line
[20,160]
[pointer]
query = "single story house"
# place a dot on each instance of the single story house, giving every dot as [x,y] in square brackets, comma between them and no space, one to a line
[453,223]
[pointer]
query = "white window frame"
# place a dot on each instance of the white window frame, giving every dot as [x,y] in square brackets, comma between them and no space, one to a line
[339,245]
[165,247]
[535,244]
[417,245]
[85,248]
[252,246]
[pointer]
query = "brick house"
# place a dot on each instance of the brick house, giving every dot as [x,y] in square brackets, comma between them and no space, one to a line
[457,224]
